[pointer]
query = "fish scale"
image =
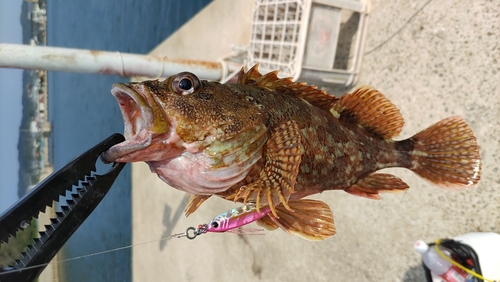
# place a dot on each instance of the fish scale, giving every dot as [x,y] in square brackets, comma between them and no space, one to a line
[295,140]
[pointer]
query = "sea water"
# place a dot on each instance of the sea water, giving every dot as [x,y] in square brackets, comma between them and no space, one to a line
[82,113]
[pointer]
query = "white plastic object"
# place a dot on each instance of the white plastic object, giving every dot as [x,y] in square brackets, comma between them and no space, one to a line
[300,39]
[438,264]
[487,247]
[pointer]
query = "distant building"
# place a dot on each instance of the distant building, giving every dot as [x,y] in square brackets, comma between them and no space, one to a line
[37,14]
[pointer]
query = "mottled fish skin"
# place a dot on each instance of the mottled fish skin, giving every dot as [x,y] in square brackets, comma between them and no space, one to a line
[271,141]
[336,152]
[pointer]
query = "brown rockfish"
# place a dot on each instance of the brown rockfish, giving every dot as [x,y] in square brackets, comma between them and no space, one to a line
[271,141]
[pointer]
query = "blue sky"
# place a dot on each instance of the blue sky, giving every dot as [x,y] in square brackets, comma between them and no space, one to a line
[10,105]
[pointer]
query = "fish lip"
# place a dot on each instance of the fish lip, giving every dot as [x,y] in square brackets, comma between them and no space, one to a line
[132,105]
[138,120]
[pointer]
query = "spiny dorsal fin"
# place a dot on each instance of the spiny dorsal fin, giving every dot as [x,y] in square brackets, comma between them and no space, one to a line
[250,76]
[372,110]
[271,81]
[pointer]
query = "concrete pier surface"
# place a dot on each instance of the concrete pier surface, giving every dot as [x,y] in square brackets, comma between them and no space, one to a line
[432,59]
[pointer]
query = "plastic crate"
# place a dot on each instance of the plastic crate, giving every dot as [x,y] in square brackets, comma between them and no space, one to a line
[301,39]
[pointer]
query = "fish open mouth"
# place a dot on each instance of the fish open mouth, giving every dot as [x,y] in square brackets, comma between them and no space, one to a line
[139,120]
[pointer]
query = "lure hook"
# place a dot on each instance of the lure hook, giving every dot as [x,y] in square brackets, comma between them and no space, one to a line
[192,232]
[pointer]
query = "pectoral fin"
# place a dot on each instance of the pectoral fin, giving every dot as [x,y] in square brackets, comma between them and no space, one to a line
[311,219]
[194,203]
[373,184]
[277,179]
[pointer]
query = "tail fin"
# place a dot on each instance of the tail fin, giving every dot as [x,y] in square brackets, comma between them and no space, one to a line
[447,154]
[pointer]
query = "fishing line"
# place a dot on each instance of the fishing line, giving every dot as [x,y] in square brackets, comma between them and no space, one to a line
[57,262]
[122,64]
[190,233]
[160,75]
[394,34]
[399,30]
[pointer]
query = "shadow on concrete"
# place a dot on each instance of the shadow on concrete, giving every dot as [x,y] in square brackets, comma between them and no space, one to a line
[347,34]
[414,274]
[169,220]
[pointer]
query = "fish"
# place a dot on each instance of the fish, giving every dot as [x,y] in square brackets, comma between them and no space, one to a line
[272,142]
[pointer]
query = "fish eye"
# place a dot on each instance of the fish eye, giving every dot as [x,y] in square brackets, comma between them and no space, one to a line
[185,83]
[215,224]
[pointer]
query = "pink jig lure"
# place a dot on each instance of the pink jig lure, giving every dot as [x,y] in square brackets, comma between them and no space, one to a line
[228,221]
[237,217]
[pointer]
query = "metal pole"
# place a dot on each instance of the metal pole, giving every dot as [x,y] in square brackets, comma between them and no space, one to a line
[92,61]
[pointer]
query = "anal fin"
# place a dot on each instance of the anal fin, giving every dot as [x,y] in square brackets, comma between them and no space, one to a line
[373,184]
